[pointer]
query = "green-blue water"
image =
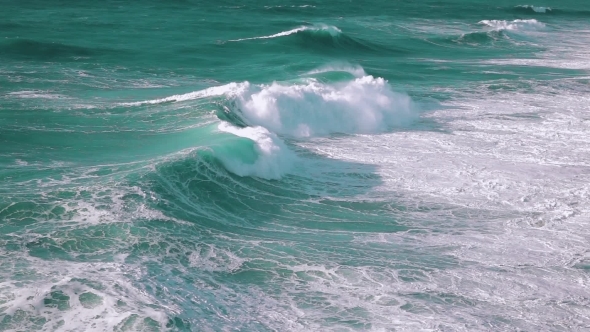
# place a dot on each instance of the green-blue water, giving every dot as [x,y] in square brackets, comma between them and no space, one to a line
[187,165]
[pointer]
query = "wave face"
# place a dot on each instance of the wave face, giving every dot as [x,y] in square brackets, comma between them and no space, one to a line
[269,158]
[193,165]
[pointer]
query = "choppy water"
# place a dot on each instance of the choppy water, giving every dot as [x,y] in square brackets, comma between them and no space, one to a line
[189,165]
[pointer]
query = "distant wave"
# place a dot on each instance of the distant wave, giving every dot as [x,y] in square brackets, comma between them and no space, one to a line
[332,30]
[326,39]
[536,10]
[494,31]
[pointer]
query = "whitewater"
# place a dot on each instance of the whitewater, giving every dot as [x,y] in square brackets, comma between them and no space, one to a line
[315,166]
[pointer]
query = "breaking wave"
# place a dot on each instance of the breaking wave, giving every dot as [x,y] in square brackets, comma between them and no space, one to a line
[263,113]
[323,38]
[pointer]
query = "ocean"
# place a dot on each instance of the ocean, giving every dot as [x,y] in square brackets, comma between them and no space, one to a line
[190,165]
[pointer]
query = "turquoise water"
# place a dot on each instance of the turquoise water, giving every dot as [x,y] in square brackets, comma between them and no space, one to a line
[186,165]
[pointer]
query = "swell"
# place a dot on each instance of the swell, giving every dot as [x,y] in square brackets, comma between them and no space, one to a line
[323,38]
[27,49]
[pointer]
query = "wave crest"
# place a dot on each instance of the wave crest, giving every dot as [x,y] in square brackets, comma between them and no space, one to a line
[362,106]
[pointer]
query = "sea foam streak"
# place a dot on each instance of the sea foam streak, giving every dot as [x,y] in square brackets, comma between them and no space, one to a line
[35,94]
[320,27]
[209,92]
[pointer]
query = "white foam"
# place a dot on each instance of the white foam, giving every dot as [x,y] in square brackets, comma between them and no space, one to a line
[520,25]
[95,296]
[506,187]
[273,160]
[320,27]
[363,105]
[518,151]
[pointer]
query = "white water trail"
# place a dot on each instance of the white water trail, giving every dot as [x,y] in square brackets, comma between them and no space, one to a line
[209,92]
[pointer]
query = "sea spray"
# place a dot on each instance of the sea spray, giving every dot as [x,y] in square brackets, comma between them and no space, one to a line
[363,105]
